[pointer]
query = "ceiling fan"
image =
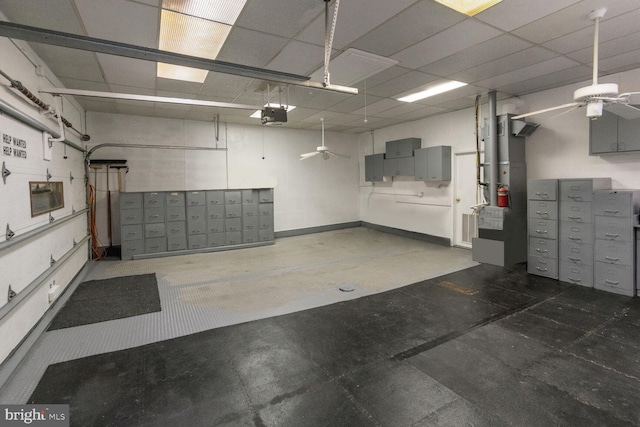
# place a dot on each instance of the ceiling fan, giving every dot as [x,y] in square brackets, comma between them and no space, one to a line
[323,149]
[597,95]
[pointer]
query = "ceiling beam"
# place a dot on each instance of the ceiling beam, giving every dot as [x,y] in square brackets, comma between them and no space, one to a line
[91,44]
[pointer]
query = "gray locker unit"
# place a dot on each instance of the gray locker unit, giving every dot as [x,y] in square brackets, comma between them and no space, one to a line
[576,242]
[611,133]
[542,259]
[433,163]
[159,223]
[374,168]
[615,213]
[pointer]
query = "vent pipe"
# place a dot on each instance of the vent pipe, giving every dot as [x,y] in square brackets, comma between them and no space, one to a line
[491,150]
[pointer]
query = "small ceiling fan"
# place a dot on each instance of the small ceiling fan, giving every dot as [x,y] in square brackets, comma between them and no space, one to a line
[597,95]
[323,149]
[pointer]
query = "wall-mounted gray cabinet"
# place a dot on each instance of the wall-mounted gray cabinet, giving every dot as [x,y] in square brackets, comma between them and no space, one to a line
[613,134]
[374,167]
[433,163]
[163,223]
[400,166]
[402,147]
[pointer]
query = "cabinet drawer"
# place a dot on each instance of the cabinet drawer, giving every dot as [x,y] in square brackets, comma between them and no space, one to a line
[250,210]
[233,211]
[578,274]
[198,241]
[176,213]
[197,227]
[130,200]
[176,228]
[250,223]
[576,253]
[613,252]
[233,238]
[546,248]
[215,197]
[196,198]
[543,228]
[215,239]
[612,203]
[249,236]
[215,212]
[266,209]
[215,226]
[250,197]
[542,266]
[233,224]
[542,189]
[543,209]
[609,228]
[130,248]
[577,233]
[174,198]
[579,212]
[614,278]
[154,230]
[265,222]
[153,215]
[131,232]
[265,235]
[177,243]
[155,245]
[196,213]
[131,216]
[153,200]
[576,190]
[265,195]
[232,197]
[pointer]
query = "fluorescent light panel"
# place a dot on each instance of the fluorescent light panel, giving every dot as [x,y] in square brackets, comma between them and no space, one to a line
[469,7]
[258,114]
[432,91]
[196,28]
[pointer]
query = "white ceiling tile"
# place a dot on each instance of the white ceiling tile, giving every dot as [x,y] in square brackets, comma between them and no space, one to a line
[468,91]
[99,105]
[355,102]
[608,49]
[298,58]
[155,3]
[416,23]
[225,85]
[402,111]
[127,71]
[136,110]
[380,106]
[251,48]
[121,21]
[482,53]
[411,80]
[548,81]
[383,76]
[512,14]
[60,14]
[284,19]
[454,39]
[532,71]
[70,63]
[172,85]
[132,90]
[626,61]
[84,85]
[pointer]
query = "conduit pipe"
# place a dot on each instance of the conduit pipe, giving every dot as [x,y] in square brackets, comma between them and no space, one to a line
[491,150]
[158,147]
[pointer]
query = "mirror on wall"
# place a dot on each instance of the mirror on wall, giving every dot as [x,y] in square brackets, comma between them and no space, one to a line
[45,196]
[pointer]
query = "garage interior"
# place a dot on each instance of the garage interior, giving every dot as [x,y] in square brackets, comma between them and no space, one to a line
[238,213]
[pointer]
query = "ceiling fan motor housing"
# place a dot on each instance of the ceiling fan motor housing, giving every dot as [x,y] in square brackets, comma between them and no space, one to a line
[604,90]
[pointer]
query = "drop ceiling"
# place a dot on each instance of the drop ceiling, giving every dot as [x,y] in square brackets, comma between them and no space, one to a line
[515,48]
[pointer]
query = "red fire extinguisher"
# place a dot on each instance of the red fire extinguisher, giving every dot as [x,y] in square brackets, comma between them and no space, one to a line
[503,197]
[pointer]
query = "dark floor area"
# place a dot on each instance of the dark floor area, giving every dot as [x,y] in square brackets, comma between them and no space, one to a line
[480,347]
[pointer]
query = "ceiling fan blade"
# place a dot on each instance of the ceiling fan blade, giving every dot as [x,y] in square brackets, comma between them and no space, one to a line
[568,111]
[546,110]
[344,156]
[308,155]
[626,111]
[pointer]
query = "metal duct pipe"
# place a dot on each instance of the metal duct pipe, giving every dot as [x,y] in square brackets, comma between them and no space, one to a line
[491,150]
[28,120]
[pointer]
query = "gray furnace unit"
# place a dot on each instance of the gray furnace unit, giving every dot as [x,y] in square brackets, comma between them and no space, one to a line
[502,225]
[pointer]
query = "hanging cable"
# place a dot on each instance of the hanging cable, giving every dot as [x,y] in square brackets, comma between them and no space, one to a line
[329,31]
[97,251]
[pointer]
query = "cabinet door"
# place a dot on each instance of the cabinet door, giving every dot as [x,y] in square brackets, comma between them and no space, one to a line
[603,134]
[439,163]
[628,134]
[390,166]
[374,167]
[421,164]
[406,166]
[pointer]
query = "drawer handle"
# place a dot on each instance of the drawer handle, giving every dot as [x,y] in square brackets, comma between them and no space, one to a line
[129,202]
[574,280]
[542,213]
[612,235]
[542,269]
[542,231]
[153,202]
[576,218]
[132,234]
[612,282]
[154,247]
[541,251]
[612,211]
[538,193]
[175,230]
[131,218]
[154,216]
[153,231]
[575,259]
[608,258]
[175,216]
[575,238]
[195,216]
[575,197]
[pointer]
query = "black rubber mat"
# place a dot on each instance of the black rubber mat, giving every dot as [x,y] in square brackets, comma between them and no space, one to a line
[109,299]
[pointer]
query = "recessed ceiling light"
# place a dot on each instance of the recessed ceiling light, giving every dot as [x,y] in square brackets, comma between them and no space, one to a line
[469,7]
[258,114]
[178,72]
[224,11]
[432,91]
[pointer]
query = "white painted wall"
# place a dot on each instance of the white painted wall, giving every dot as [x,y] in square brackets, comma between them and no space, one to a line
[24,263]
[307,193]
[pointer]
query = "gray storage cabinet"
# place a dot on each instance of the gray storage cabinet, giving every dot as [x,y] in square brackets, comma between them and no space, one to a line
[433,163]
[542,258]
[164,223]
[611,133]
[576,229]
[615,212]
[402,147]
[374,167]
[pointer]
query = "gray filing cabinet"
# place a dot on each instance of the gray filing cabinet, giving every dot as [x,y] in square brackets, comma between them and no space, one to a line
[576,229]
[374,167]
[615,213]
[164,222]
[433,163]
[542,258]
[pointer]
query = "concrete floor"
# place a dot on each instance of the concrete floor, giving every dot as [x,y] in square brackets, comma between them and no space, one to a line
[481,346]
